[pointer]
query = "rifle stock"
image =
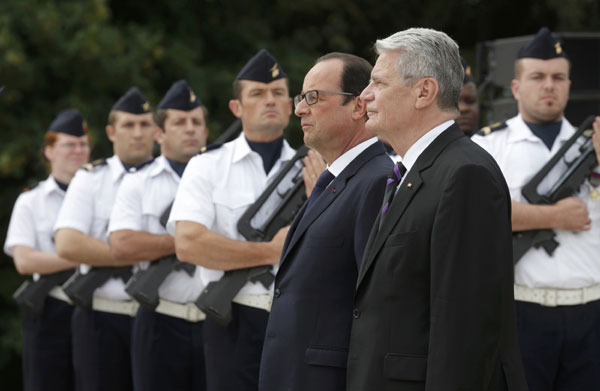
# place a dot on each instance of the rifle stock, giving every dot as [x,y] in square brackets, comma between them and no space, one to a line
[31,295]
[80,287]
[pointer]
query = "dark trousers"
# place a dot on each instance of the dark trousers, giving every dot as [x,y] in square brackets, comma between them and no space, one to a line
[167,353]
[233,353]
[101,351]
[47,349]
[560,346]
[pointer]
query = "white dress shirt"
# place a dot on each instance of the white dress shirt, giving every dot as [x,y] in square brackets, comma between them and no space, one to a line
[86,208]
[576,261]
[33,217]
[140,202]
[216,189]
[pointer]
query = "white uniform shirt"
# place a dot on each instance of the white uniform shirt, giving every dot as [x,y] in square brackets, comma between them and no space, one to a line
[216,189]
[576,261]
[87,206]
[33,217]
[141,200]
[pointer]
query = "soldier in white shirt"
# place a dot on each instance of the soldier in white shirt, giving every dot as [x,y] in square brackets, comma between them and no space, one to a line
[215,190]
[47,351]
[167,344]
[557,295]
[101,337]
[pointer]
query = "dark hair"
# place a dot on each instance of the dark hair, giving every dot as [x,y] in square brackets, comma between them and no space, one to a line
[355,75]
[160,116]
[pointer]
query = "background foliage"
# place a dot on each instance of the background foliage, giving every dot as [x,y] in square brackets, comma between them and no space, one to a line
[85,54]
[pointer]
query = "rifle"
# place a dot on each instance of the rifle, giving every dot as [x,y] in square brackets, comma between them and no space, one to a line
[80,287]
[579,158]
[274,209]
[31,295]
[143,285]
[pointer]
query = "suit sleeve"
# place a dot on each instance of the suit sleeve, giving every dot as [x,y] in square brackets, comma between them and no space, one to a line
[471,275]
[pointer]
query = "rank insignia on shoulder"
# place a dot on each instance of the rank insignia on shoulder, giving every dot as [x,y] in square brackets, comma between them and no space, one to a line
[94,164]
[29,188]
[210,147]
[492,128]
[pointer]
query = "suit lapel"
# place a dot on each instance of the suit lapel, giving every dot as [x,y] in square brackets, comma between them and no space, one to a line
[302,222]
[407,191]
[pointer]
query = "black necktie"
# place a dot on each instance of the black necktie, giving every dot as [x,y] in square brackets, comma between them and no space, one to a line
[324,179]
[390,190]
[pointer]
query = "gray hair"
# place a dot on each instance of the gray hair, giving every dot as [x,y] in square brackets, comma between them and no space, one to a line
[427,53]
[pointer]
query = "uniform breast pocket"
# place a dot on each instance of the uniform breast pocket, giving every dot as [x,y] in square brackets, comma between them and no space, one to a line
[230,205]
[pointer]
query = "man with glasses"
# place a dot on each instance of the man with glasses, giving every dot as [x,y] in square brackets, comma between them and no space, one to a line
[306,345]
[215,190]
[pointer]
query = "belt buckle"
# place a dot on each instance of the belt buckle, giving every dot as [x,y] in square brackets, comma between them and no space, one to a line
[550,298]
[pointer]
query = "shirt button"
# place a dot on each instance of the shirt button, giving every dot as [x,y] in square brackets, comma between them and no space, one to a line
[356,313]
[277,293]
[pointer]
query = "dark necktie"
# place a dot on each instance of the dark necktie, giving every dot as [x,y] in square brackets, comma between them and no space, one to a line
[390,190]
[324,179]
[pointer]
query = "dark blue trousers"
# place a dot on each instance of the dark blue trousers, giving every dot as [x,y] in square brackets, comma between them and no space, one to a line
[560,346]
[167,353]
[101,351]
[233,353]
[47,364]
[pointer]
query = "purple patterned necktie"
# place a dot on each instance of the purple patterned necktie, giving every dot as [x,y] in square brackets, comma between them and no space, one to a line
[392,183]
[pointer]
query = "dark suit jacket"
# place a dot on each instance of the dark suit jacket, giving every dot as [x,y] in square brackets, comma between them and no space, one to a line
[434,307]
[306,343]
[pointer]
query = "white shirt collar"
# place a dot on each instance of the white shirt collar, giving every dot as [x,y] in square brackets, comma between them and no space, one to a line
[49,186]
[347,157]
[242,149]
[161,164]
[116,167]
[413,153]
[520,131]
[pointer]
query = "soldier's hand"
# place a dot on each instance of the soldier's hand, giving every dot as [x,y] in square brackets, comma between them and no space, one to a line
[571,214]
[314,165]
[596,138]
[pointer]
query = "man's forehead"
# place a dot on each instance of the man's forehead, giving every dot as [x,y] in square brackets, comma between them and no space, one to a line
[248,85]
[123,116]
[554,65]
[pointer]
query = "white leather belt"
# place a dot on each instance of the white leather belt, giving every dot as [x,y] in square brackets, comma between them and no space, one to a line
[187,311]
[262,301]
[122,307]
[59,294]
[554,297]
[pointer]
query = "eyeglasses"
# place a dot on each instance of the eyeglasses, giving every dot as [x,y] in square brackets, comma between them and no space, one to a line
[312,96]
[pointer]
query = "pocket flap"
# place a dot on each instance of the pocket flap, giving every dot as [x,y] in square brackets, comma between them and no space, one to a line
[403,367]
[326,357]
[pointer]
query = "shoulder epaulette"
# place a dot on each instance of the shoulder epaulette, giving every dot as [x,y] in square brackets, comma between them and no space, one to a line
[29,188]
[210,147]
[492,128]
[94,164]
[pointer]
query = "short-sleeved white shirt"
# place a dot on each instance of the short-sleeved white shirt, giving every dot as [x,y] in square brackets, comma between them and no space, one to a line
[520,155]
[86,208]
[216,189]
[141,200]
[33,218]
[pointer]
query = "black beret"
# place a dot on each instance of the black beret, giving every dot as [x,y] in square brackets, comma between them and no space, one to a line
[262,67]
[467,69]
[133,102]
[70,122]
[180,97]
[544,46]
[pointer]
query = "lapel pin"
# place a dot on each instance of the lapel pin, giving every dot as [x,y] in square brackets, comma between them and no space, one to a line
[333,190]
[409,185]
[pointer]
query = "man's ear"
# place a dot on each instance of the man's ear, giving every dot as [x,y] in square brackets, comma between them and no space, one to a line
[514,87]
[427,90]
[360,109]
[158,134]
[235,107]
[110,133]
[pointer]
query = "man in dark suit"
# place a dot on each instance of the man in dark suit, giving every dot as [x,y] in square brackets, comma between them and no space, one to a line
[306,344]
[433,308]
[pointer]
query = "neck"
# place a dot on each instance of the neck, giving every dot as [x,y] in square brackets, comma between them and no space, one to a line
[262,136]
[63,177]
[360,135]
[402,141]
